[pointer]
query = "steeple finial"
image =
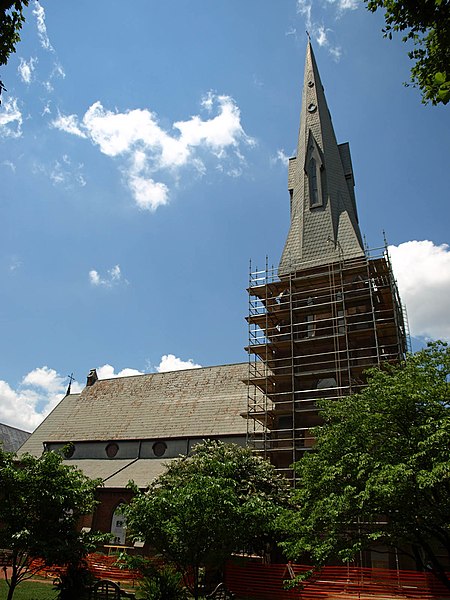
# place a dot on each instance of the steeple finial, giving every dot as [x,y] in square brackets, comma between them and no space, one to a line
[71,378]
[320,184]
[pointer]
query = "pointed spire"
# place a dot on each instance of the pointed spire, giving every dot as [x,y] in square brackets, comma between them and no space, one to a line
[324,223]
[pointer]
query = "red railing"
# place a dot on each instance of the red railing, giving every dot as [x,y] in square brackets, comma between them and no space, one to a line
[107,567]
[265,582]
[100,565]
[253,580]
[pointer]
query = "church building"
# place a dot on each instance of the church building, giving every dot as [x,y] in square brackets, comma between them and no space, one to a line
[129,428]
[329,311]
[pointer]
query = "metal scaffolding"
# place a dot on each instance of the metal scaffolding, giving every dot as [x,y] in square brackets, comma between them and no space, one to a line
[312,334]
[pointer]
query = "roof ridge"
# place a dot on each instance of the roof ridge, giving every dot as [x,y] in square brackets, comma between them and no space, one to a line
[13,427]
[202,368]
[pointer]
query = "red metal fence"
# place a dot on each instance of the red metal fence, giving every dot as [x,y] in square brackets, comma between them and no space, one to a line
[108,567]
[265,582]
[250,579]
[100,565]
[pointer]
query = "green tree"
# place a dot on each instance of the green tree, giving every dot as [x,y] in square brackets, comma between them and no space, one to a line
[380,470]
[41,502]
[205,506]
[427,24]
[11,22]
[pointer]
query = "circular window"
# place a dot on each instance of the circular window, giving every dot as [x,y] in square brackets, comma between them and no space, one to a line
[312,107]
[159,448]
[68,450]
[112,449]
[310,83]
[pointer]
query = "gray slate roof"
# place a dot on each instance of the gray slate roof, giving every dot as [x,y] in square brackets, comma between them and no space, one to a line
[195,402]
[117,473]
[12,438]
[326,233]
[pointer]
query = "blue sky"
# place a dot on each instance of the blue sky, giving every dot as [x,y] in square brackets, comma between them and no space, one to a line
[143,164]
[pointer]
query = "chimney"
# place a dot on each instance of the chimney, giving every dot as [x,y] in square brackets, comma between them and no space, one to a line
[91,378]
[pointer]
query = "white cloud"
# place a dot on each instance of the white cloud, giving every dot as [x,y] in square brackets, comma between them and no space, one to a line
[26,405]
[280,157]
[58,71]
[169,362]
[115,273]
[107,372]
[114,277]
[36,395]
[148,194]
[45,379]
[10,119]
[150,153]
[218,133]
[26,69]
[422,270]
[120,133]
[39,13]
[336,52]
[304,8]
[62,172]
[67,174]
[316,28]
[321,35]
[343,5]
[207,102]
[69,124]
[94,277]
[9,164]
[17,408]
[46,110]
[56,175]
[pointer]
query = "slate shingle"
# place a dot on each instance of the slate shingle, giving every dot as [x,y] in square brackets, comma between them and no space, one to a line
[195,402]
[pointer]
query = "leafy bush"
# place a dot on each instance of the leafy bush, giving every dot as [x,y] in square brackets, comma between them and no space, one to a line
[163,584]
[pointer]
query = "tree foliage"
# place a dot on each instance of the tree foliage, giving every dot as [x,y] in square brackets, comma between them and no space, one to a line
[41,502]
[11,22]
[427,24]
[205,506]
[157,581]
[380,470]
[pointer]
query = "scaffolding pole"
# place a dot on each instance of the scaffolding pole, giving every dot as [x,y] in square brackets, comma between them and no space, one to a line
[312,335]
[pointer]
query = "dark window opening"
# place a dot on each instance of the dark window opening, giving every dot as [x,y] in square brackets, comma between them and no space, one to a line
[159,448]
[313,176]
[112,449]
[68,450]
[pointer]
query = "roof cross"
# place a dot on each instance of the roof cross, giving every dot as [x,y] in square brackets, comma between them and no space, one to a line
[71,378]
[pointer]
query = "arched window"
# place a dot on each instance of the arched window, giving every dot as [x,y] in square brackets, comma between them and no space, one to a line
[118,525]
[313,168]
[314,188]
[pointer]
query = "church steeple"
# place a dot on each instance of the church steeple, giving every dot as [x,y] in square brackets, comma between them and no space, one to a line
[324,224]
